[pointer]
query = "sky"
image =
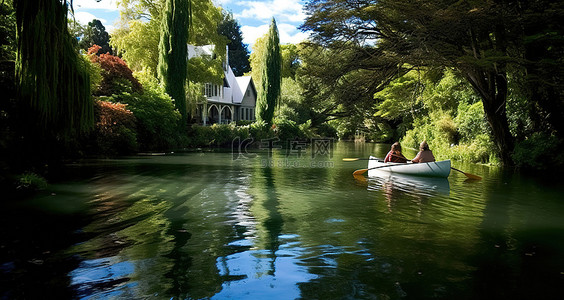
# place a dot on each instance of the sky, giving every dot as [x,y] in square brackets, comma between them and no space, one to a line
[253,16]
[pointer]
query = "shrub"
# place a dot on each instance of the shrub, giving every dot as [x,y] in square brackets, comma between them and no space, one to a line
[31,182]
[287,130]
[541,151]
[117,77]
[215,135]
[158,120]
[114,131]
[326,130]
[260,130]
[470,120]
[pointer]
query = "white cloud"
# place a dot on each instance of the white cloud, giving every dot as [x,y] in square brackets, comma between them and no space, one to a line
[83,18]
[289,34]
[281,10]
[251,33]
[109,5]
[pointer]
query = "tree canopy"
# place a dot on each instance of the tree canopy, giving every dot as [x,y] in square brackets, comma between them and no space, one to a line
[480,40]
[95,34]
[238,52]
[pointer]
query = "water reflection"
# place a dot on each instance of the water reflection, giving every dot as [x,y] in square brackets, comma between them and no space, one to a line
[201,226]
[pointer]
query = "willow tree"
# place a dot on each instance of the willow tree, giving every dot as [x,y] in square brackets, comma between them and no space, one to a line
[50,76]
[270,75]
[173,53]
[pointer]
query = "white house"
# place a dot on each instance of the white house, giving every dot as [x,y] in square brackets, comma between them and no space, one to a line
[235,100]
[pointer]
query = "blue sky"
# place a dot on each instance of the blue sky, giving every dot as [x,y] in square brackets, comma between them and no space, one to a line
[253,16]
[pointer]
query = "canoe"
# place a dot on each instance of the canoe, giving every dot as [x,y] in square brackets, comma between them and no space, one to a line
[413,185]
[431,169]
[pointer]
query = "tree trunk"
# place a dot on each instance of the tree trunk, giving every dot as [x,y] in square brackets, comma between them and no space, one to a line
[492,87]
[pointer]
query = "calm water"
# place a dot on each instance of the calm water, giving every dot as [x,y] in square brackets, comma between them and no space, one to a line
[202,225]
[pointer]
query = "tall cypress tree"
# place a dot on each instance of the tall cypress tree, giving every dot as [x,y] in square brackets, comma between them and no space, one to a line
[50,76]
[271,79]
[173,52]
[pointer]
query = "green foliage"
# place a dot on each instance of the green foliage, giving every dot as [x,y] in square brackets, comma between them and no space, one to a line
[7,31]
[260,130]
[483,41]
[31,182]
[287,130]
[290,60]
[51,78]
[157,119]
[173,52]
[137,43]
[292,105]
[94,71]
[137,36]
[540,151]
[470,121]
[205,70]
[216,135]
[400,98]
[441,132]
[194,96]
[270,81]
[326,130]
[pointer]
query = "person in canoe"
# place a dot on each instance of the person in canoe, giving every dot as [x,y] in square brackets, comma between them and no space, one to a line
[395,154]
[425,154]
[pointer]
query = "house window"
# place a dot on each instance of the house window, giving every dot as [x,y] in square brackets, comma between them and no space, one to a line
[248,93]
[212,90]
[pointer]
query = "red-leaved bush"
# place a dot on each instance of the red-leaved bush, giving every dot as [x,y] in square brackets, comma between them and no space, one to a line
[115,128]
[117,77]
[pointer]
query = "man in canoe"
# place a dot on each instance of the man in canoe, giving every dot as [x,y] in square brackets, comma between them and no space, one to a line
[395,154]
[425,154]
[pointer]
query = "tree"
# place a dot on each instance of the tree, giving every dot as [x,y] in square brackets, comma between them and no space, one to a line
[270,69]
[95,34]
[290,60]
[117,77]
[543,47]
[237,51]
[173,53]
[51,78]
[473,38]
[136,38]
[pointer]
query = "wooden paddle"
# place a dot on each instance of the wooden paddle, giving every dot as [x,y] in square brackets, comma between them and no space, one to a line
[471,176]
[355,159]
[362,171]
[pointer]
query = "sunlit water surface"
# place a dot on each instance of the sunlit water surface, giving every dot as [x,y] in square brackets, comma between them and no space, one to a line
[202,225]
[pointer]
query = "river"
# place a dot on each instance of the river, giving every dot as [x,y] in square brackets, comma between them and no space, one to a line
[291,224]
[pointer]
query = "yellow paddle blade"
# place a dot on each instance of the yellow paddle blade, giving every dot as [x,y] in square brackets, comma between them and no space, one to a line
[360,172]
[350,159]
[472,176]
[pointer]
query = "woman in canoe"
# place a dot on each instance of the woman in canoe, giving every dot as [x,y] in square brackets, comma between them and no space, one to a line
[425,154]
[395,154]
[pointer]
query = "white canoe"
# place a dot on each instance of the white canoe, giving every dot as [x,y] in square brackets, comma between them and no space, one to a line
[431,169]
